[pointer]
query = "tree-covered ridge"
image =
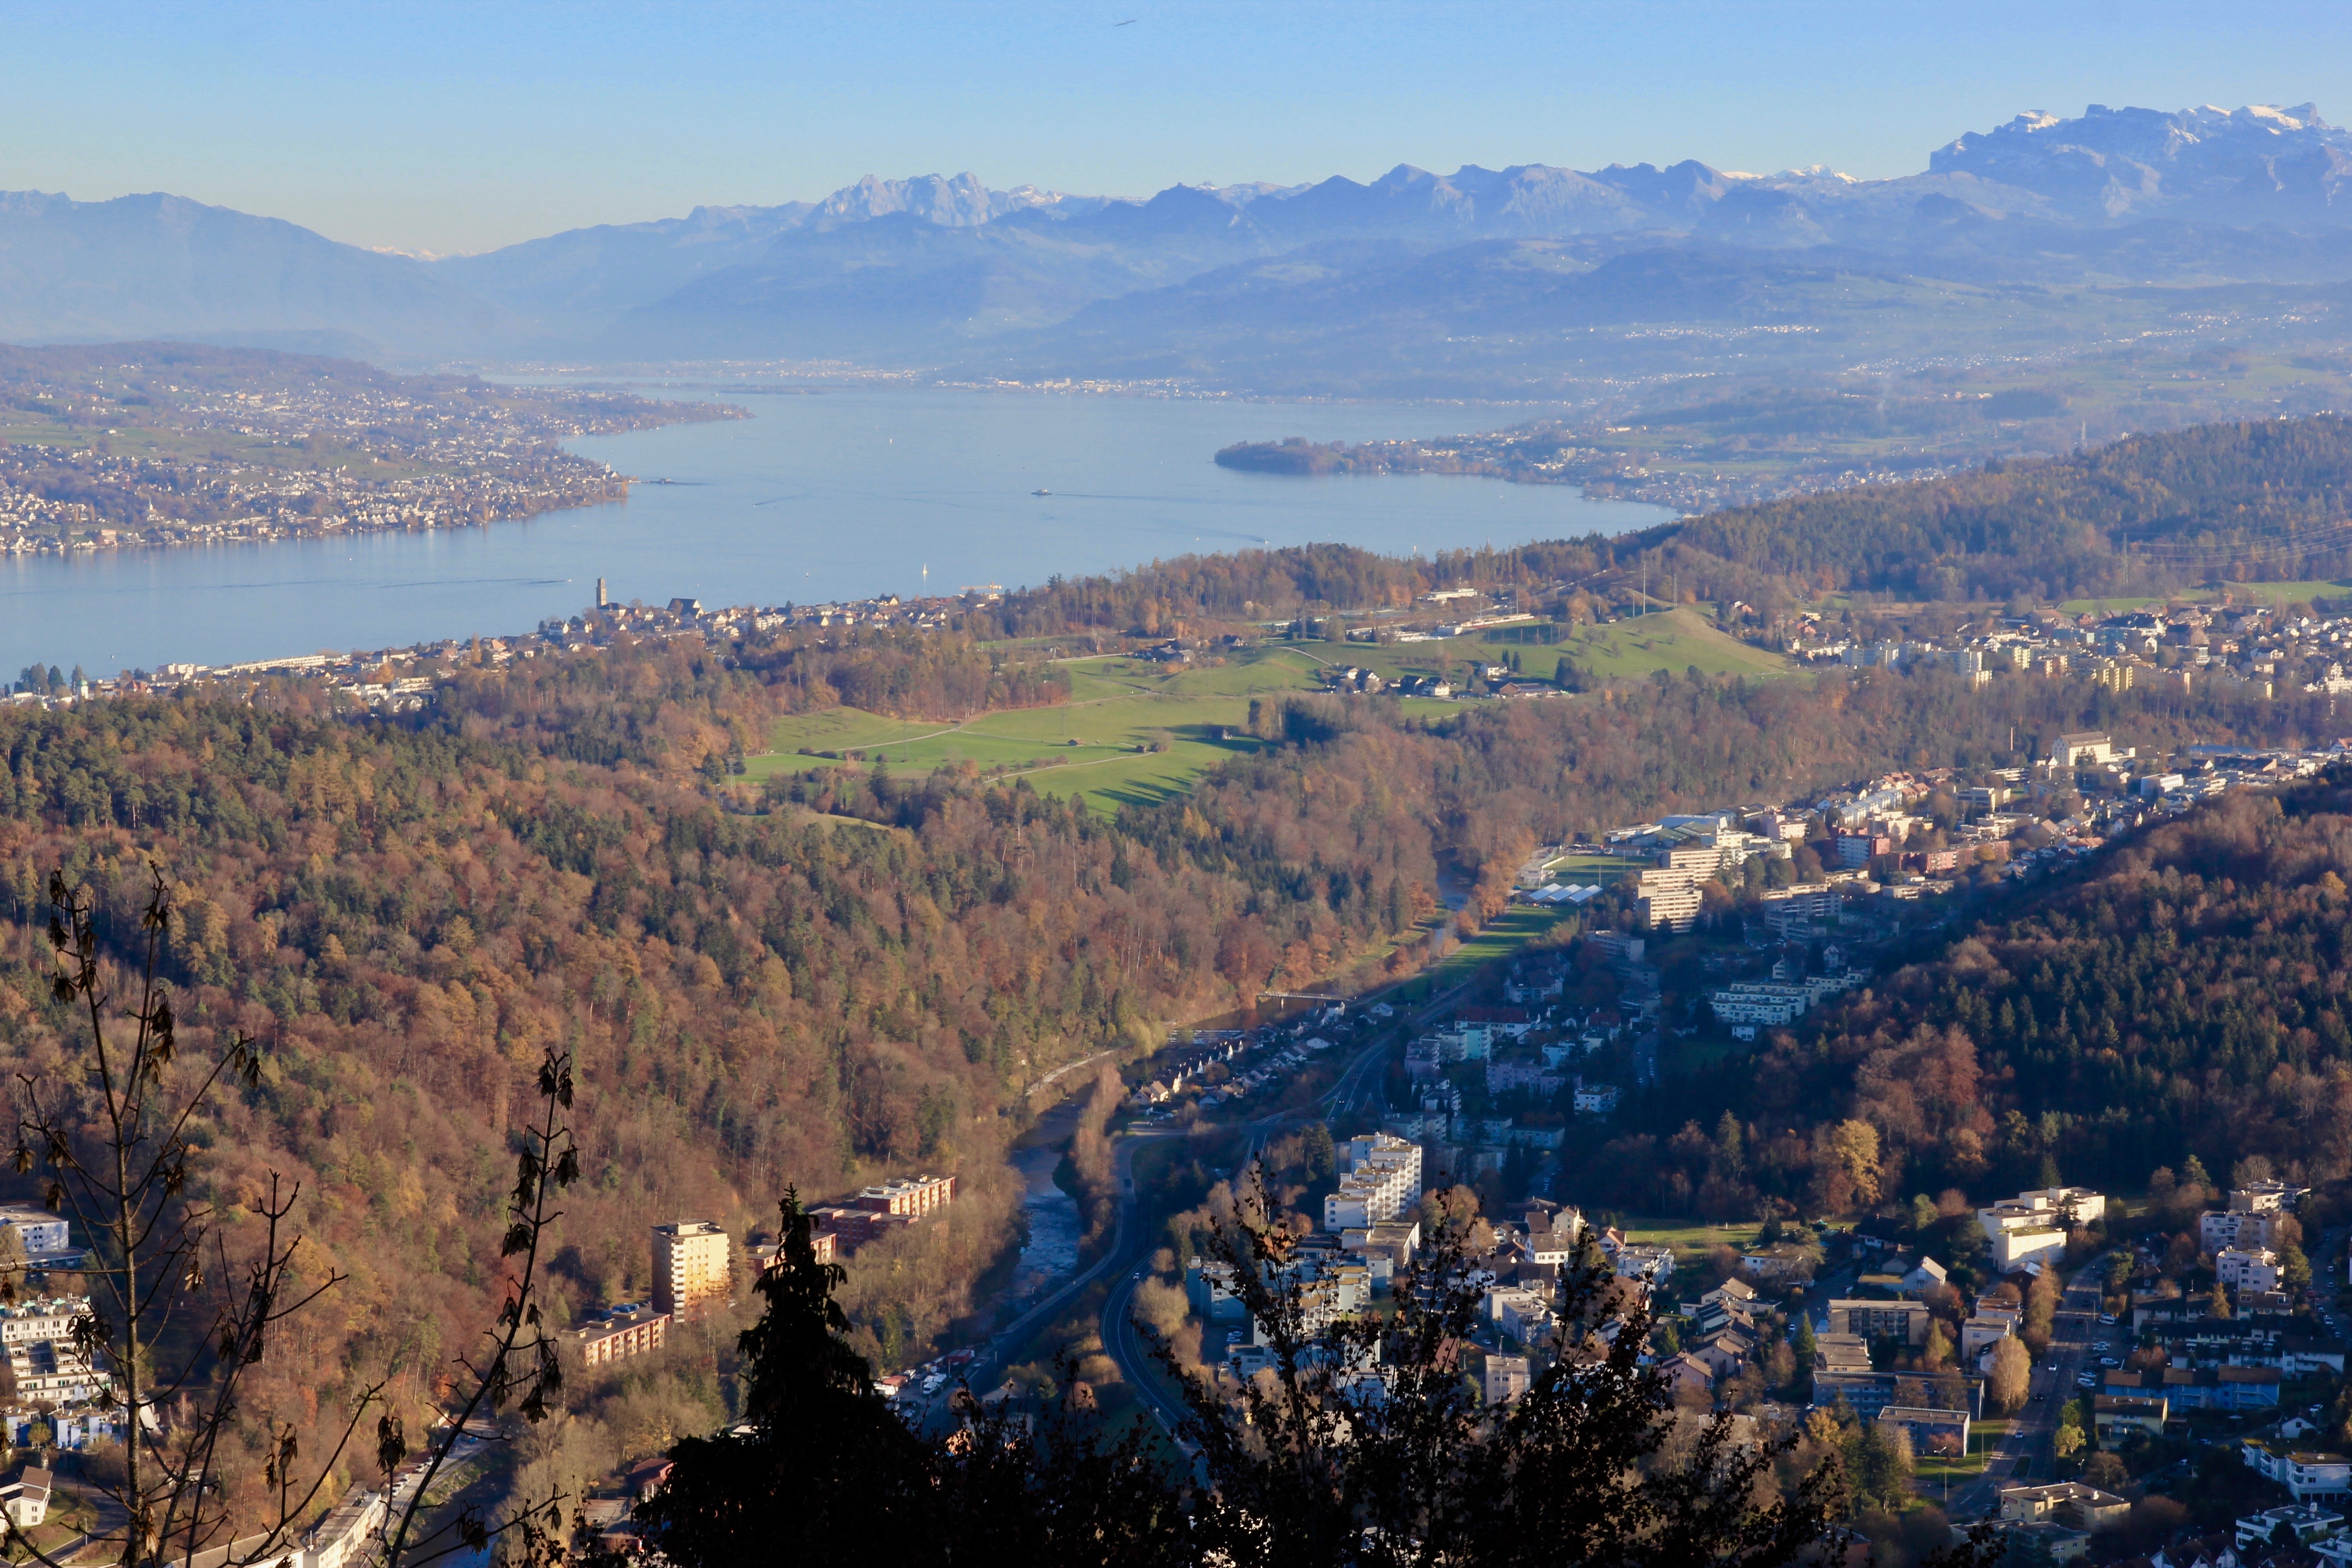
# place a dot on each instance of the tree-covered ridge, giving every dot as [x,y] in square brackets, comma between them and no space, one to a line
[2255,500]
[2264,498]
[684,707]
[2186,998]
[1256,585]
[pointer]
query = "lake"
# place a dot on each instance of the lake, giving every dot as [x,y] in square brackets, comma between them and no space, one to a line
[839,493]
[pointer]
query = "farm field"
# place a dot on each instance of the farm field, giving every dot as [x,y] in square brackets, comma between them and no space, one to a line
[1674,640]
[1133,731]
[2243,592]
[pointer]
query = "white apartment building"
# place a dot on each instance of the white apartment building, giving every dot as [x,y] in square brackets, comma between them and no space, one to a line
[690,1260]
[1669,900]
[1523,1314]
[2306,1474]
[2251,1221]
[2247,1270]
[1753,1002]
[1653,1266]
[41,1231]
[1379,1179]
[2033,1224]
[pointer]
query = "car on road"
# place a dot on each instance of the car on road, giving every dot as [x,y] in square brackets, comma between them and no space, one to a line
[934,1383]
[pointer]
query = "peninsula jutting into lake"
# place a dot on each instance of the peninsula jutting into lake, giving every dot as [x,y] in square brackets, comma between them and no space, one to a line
[123,445]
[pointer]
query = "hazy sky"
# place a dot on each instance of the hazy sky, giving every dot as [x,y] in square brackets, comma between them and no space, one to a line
[462,127]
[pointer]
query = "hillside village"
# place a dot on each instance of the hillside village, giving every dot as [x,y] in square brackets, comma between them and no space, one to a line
[151,456]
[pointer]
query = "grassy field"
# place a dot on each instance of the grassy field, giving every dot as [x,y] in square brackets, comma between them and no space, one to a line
[1135,732]
[1601,868]
[1692,1240]
[1512,930]
[2243,592]
[1132,732]
[1633,649]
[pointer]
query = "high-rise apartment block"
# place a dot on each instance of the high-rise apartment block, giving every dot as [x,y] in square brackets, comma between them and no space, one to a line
[1379,1179]
[690,1260]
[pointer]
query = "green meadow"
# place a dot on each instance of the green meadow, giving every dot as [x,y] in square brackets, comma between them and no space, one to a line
[1134,733]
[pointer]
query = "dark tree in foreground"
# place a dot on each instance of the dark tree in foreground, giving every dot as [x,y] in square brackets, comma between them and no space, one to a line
[177,1319]
[1363,1442]
[1360,1446]
[823,1470]
[181,1314]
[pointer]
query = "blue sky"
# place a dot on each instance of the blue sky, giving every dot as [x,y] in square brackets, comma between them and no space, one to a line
[443,128]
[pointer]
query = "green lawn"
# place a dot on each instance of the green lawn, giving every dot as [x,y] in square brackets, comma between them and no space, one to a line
[1132,732]
[2243,592]
[1601,868]
[1512,930]
[1687,1240]
[1629,649]
[1136,732]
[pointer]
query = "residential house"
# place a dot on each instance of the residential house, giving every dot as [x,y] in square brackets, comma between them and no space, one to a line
[25,1496]
[1523,1314]
[1782,1263]
[1653,1264]
[1984,1327]
[1725,1353]
[2114,1415]
[1506,1378]
[2074,1504]
[1925,1276]
[1686,1373]
[2242,1269]
[1944,1432]
[2309,1522]
[2309,1475]
[1905,1321]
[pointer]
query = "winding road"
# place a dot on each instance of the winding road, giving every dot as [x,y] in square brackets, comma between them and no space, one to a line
[1357,1087]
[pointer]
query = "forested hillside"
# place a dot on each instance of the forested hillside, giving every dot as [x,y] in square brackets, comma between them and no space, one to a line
[860,983]
[2262,501]
[2181,999]
[2269,498]
[405,920]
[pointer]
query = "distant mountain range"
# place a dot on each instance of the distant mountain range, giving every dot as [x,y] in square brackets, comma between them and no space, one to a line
[1334,284]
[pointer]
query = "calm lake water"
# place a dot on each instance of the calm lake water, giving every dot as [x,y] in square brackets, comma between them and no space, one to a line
[853,491]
